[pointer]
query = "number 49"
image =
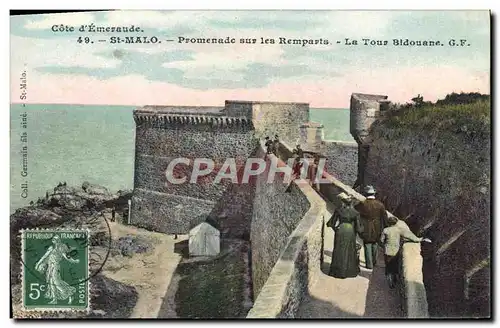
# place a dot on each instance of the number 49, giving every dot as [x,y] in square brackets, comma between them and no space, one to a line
[83,40]
[35,290]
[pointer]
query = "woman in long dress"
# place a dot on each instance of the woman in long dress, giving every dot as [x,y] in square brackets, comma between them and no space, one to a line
[346,224]
[57,288]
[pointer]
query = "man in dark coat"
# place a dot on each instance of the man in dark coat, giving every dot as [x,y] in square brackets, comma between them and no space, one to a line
[276,144]
[269,146]
[373,217]
[298,155]
[298,151]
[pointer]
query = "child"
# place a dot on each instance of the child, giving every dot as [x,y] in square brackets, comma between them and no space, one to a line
[391,241]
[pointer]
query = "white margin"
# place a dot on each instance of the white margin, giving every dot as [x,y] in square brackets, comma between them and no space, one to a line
[200,4]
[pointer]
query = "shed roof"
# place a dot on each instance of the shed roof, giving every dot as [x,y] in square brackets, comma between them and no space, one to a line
[204,227]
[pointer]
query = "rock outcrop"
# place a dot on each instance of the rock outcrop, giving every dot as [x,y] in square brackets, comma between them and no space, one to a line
[80,207]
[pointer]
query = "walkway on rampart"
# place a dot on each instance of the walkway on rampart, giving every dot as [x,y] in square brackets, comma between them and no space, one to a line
[367,295]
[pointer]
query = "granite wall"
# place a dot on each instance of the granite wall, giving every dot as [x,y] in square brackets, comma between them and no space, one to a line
[442,180]
[283,119]
[289,270]
[175,208]
[275,216]
[342,160]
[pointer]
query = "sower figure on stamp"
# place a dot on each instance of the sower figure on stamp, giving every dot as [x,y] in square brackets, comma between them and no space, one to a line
[57,288]
[373,215]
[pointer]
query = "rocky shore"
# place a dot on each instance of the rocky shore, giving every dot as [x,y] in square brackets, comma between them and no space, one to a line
[92,207]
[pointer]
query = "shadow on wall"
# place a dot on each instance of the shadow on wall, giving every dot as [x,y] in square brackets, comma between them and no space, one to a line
[208,288]
[232,214]
[315,305]
[377,295]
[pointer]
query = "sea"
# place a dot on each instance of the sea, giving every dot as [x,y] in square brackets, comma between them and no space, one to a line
[94,143]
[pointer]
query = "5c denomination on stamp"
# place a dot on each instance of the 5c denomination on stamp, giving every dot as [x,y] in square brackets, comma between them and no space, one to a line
[55,270]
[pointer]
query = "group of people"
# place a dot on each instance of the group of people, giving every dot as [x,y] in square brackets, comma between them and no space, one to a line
[369,220]
[298,153]
[299,157]
[272,145]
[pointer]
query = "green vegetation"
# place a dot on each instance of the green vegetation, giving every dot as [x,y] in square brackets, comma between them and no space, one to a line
[467,113]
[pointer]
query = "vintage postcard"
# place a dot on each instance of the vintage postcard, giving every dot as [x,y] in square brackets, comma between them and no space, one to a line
[250,164]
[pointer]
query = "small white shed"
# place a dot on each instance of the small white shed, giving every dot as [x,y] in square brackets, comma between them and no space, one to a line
[204,240]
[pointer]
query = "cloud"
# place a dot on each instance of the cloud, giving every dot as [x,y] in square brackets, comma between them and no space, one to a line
[49,20]
[400,84]
[229,57]
[37,53]
[255,66]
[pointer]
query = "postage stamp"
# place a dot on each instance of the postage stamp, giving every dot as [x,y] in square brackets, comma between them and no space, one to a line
[55,270]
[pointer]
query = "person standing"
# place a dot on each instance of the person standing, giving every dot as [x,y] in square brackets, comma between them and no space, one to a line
[298,155]
[276,144]
[314,175]
[299,163]
[269,146]
[296,171]
[313,172]
[373,215]
[346,223]
[391,241]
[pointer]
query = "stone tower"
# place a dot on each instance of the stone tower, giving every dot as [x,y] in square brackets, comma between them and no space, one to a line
[364,111]
[311,136]
[167,133]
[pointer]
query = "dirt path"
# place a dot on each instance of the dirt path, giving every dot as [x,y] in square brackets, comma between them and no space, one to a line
[367,295]
[150,273]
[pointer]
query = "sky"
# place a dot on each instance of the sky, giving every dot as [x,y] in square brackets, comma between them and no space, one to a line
[61,70]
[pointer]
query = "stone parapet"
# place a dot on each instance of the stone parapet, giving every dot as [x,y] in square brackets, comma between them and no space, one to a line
[412,286]
[298,265]
[166,120]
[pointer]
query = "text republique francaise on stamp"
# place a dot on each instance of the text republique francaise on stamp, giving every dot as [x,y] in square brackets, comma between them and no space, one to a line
[55,270]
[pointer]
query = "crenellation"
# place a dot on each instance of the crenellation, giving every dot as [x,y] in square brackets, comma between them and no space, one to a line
[164,120]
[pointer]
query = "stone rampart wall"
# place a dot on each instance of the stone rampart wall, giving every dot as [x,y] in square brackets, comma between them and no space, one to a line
[275,216]
[342,160]
[298,263]
[441,179]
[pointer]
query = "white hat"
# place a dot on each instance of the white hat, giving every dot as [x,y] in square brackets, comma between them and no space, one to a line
[344,197]
[369,190]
